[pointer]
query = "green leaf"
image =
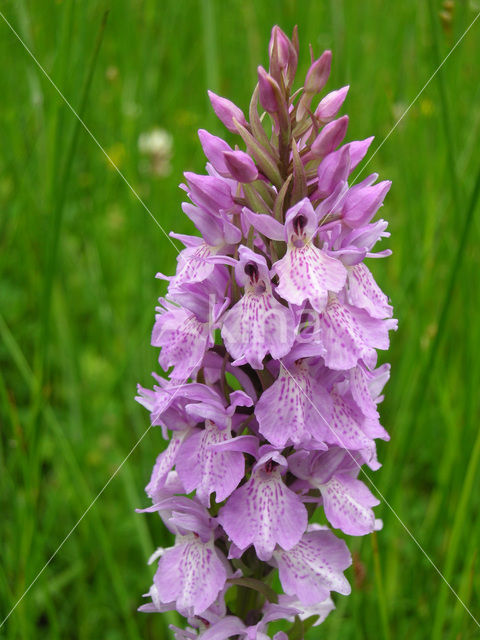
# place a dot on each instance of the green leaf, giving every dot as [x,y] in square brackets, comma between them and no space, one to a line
[256,123]
[280,199]
[256,585]
[296,631]
[299,178]
[263,158]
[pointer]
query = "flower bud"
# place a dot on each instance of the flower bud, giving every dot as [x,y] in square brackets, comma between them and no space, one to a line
[330,105]
[240,166]
[315,80]
[363,201]
[283,57]
[208,192]
[214,148]
[269,91]
[318,73]
[226,111]
[330,137]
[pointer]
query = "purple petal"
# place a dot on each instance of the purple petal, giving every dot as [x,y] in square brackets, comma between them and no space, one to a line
[193,266]
[318,73]
[330,137]
[208,469]
[266,225]
[255,326]
[364,292]
[226,628]
[331,103]
[320,609]
[332,173]
[183,340]
[358,149]
[341,336]
[264,512]
[345,431]
[268,91]
[191,573]
[226,111]
[214,148]
[347,503]
[362,202]
[240,166]
[164,464]
[361,394]
[314,567]
[209,192]
[210,226]
[308,273]
[287,411]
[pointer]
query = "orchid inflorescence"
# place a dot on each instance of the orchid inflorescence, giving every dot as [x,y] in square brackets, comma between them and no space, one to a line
[270,329]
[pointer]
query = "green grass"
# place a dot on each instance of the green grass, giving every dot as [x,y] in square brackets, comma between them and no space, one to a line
[78,258]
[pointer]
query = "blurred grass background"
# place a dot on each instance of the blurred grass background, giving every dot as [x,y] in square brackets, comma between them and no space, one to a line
[78,258]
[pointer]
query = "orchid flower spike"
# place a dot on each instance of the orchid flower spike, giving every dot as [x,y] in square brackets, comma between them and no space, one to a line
[268,335]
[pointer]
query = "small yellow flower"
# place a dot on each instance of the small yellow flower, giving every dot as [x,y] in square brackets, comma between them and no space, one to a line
[427,107]
[116,153]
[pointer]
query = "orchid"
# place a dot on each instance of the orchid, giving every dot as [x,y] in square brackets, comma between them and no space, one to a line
[269,334]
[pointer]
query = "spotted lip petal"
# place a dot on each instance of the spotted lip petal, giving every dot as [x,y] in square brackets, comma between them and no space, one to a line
[193,265]
[347,503]
[294,607]
[209,470]
[255,326]
[314,567]
[291,409]
[345,431]
[258,323]
[361,393]
[306,272]
[341,336]
[264,512]
[191,573]
[164,463]
[349,334]
[363,292]
[183,340]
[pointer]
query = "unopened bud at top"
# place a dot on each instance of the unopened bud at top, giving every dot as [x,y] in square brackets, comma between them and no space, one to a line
[227,111]
[318,73]
[315,80]
[283,57]
[269,91]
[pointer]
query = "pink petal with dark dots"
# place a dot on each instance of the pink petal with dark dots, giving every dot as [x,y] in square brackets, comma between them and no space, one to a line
[294,409]
[347,503]
[314,567]
[308,273]
[191,573]
[363,292]
[255,326]
[264,512]
[207,469]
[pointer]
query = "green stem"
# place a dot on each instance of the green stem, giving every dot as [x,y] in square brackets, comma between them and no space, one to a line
[210,46]
[60,198]
[382,602]
[446,303]
[447,125]
[457,530]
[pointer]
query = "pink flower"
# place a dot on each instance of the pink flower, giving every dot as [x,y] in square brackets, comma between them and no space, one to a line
[269,331]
